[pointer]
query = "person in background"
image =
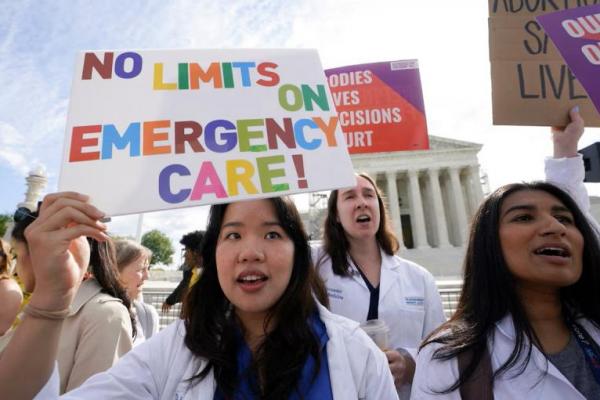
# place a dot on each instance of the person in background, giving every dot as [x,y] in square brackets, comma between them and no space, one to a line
[99,327]
[10,295]
[133,261]
[252,326]
[528,319]
[365,279]
[192,267]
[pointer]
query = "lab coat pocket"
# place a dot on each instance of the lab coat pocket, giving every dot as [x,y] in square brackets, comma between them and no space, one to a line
[406,326]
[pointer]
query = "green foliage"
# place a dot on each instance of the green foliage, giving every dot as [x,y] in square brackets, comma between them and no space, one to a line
[4,220]
[160,244]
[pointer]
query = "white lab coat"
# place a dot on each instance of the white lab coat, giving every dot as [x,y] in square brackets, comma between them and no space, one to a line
[568,174]
[159,368]
[409,301]
[532,384]
[540,379]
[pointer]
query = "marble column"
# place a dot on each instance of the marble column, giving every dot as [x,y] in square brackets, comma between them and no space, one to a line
[459,204]
[393,206]
[441,226]
[418,219]
[470,199]
[476,185]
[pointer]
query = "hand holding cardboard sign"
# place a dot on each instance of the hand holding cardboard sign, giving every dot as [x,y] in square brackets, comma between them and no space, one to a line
[565,139]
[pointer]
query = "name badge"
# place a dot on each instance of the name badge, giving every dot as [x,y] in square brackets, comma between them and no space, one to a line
[414,301]
[335,293]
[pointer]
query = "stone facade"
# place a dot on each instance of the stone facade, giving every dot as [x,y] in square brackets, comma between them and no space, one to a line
[431,194]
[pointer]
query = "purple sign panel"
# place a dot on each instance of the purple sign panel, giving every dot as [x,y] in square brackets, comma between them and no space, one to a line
[576,34]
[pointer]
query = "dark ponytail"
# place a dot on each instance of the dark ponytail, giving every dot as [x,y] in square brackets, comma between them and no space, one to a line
[103,265]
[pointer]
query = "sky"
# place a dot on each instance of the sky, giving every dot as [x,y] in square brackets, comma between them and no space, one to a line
[40,39]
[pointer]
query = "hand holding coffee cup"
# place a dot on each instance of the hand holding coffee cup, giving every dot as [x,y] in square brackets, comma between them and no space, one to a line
[402,366]
[378,331]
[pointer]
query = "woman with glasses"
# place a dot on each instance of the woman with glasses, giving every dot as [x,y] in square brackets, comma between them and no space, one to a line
[133,261]
[10,294]
[99,327]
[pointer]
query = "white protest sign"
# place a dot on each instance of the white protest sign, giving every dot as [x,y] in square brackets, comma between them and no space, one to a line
[156,130]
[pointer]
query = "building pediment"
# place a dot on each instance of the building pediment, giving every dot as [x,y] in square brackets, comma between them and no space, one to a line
[442,143]
[443,153]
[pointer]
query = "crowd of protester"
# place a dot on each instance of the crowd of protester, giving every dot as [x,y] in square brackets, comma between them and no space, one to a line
[266,316]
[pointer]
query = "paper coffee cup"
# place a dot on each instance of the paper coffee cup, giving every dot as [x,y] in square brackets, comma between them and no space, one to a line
[378,331]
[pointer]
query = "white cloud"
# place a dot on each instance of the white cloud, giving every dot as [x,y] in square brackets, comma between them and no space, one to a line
[13,151]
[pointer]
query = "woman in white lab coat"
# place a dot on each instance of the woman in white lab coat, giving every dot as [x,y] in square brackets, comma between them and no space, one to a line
[366,280]
[251,327]
[527,323]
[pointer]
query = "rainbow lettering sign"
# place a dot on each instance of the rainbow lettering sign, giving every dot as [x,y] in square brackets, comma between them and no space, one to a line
[156,130]
[380,106]
[576,34]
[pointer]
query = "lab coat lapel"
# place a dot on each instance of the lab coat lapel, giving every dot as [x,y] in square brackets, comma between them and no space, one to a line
[538,364]
[355,274]
[387,276]
[339,367]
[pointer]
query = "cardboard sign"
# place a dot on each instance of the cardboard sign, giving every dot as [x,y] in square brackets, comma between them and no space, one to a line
[380,106]
[531,83]
[156,130]
[576,34]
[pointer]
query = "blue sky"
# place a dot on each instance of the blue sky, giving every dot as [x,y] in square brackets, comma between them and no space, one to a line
[39,41]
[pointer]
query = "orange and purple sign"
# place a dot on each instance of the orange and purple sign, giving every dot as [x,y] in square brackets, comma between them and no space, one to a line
[380,106]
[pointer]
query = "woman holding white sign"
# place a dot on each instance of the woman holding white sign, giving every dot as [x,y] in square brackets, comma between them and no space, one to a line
[365,279]
[99,326]
[251,326]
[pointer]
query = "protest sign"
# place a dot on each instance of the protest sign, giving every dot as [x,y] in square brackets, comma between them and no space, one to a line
[576,34]
[156,130]
[380,106]
[531,83]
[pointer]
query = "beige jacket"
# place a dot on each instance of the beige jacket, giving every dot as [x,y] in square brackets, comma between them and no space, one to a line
[95,334]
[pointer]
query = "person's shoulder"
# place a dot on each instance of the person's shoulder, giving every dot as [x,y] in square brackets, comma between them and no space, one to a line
[411,267]
[103,305]
[317,251]
[10,288]
[11,297]
[428,365]
[170,342]
[342,327]
[173,333]
[321,259]
[149,308]
[339,321]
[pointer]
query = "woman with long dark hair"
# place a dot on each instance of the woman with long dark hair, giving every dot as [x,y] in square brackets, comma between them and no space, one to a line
[252,326]
[528,319]
[530,300]
[366,280]
[99,327]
